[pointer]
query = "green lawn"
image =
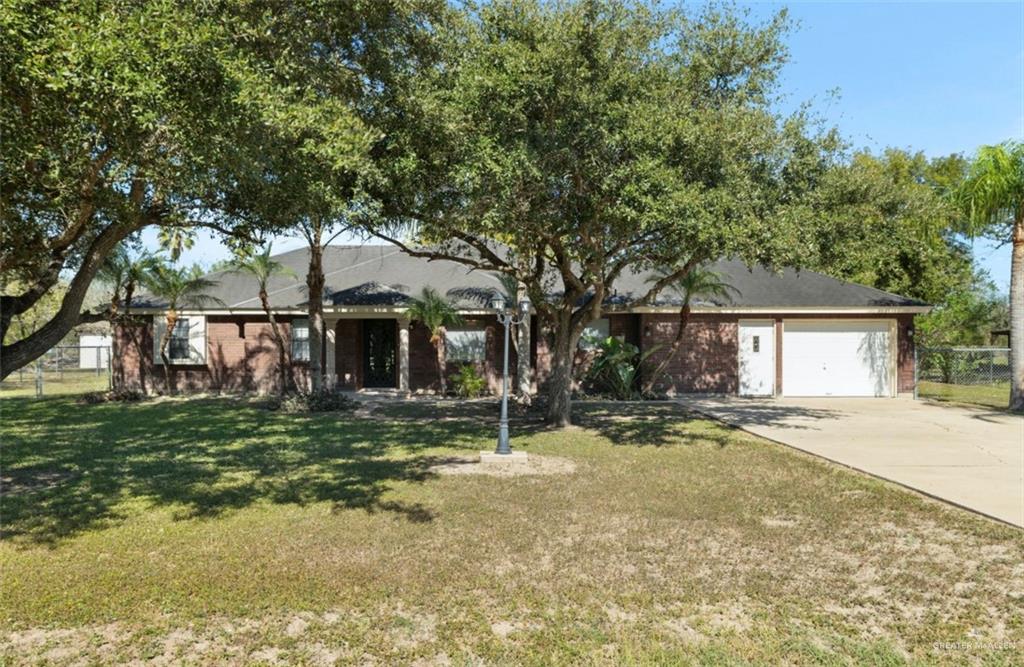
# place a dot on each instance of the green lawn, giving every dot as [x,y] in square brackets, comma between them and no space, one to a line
[77,381]
[982,395]
[212,530]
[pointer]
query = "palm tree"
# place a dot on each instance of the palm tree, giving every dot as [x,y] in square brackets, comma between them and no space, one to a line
[123,272]
[437,314]
[180,288]
[262,267]
[699,282]
[992,199]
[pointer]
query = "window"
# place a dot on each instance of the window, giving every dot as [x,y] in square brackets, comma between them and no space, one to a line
[593,334]
[177,347]
[757,343]
[465,344]
[300,339]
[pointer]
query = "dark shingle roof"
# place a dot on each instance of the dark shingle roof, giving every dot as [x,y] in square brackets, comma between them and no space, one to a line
[384,276]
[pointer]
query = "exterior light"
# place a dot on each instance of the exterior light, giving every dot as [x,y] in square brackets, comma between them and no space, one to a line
[506,320]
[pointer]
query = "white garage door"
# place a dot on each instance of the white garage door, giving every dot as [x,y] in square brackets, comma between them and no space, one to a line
[836,358]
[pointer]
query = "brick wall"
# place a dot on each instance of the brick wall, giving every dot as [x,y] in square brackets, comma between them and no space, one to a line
[905,353]
[423,356]
[707,360]
[240,356]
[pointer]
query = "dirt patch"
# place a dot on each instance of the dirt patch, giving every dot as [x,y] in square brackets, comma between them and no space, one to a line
[535,465]
[779,521]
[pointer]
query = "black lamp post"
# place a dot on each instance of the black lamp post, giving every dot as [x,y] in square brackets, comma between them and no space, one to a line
[507,319]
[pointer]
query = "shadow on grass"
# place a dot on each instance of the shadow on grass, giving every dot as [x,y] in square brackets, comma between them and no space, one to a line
[760,412]
[633,423]
[68,468]
[650,424]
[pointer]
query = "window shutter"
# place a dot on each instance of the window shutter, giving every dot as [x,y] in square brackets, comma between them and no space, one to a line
[197,339]
[159,327]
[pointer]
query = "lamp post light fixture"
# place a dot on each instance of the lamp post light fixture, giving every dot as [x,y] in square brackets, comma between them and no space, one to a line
[507,319]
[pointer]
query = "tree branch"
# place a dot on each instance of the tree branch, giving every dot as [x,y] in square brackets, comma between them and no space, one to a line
[666,280]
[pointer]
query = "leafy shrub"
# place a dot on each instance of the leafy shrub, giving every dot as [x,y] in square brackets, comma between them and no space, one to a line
[469,383]
[616,368]
[323,400]
[92,398]
[116,395]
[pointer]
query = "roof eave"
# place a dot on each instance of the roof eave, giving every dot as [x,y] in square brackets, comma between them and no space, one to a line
[654,310]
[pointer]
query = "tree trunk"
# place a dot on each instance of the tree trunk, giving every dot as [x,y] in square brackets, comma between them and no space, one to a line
[560,383]
[648,385]
[1017,317]
[116,366]
[23,352]
[442,361]
[170,380]
[275,330]
[131,331]
[315,288]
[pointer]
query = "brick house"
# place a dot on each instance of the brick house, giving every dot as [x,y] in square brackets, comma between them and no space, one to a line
[792,333]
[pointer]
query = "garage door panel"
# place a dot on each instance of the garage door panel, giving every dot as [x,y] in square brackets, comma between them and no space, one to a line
[836,358]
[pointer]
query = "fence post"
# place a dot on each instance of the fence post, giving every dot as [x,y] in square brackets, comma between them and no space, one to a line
[110,371]
[60,363]
[39,377]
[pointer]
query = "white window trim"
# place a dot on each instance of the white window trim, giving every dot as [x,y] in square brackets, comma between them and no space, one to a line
[197,342]
[300,322]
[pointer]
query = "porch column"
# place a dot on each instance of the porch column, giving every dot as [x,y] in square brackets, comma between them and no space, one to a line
[403,354]
[330,369]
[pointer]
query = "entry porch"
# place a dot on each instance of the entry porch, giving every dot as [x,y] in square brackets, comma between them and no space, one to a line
[388,351]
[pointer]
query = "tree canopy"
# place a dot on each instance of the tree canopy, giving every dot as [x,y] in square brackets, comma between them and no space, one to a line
[575,141]
[118,116]
[889,221]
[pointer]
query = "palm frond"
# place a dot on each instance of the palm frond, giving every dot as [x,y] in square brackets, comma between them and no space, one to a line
[181,286]
[433,310]
[699,282]
[261,266]
[992,194]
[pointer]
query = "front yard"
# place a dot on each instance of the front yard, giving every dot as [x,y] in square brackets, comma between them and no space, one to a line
[209,530]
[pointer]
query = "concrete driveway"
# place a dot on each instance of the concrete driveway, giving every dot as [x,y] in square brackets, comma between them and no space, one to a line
[974,458]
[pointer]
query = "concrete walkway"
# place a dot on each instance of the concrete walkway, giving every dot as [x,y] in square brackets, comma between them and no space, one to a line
[974,458]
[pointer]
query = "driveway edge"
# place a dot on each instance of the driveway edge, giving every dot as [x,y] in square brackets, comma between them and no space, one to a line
[821,457]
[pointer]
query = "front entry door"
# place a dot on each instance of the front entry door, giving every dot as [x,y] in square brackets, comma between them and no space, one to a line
[379,353]
[757,358]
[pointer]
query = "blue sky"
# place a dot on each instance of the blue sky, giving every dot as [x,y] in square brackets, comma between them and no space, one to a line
[940,77]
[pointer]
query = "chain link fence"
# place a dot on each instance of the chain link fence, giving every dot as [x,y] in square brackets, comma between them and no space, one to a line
[968,374]
[66,369]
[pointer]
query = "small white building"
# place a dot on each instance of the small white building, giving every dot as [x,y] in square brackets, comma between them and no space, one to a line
[94,351]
